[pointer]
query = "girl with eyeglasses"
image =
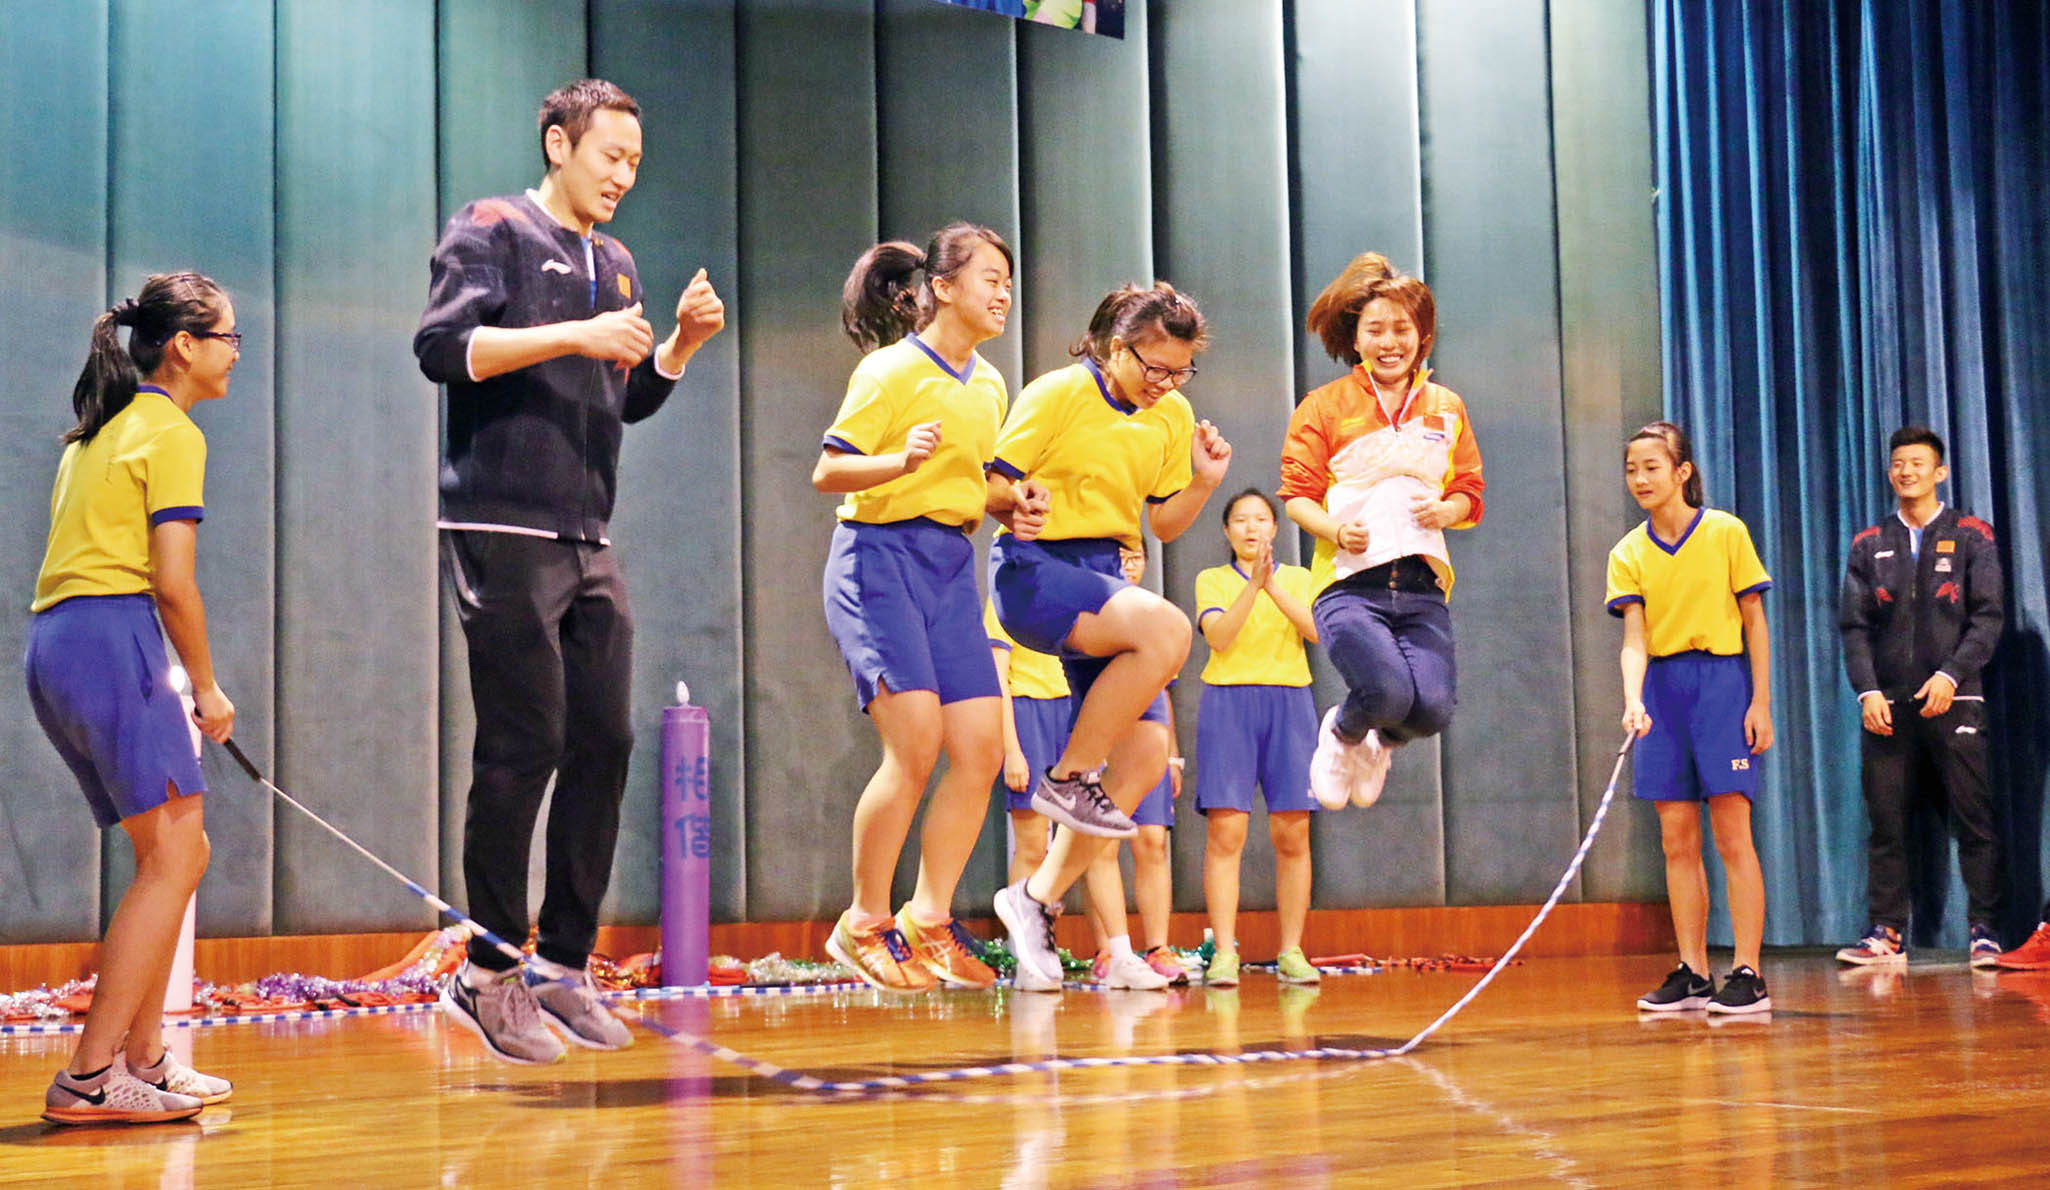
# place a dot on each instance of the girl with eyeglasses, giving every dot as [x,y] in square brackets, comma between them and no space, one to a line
[1377,465]
[1113,442]
[124,519]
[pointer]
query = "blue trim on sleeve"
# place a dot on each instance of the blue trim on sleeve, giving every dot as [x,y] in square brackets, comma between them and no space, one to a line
[1616,604]
[182,512]
[934,356]
[1208,611]
[1163,499]
[1755,588]
[1004,469]
[835,442]
[994,643]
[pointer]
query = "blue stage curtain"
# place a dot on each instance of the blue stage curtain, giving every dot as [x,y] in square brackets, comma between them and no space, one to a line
[1852,236]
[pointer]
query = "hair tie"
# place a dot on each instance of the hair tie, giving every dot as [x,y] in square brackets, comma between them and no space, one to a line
[124,311]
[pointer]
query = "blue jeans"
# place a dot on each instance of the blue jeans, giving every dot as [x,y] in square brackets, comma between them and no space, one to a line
[1394,650]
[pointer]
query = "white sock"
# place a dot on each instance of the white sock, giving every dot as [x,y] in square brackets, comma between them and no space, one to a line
[1121,947]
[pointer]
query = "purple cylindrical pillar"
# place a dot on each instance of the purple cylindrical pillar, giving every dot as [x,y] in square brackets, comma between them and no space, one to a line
[686,843]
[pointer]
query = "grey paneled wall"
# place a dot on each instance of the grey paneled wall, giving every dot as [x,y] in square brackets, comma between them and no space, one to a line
[1239,150]
[1609,340]
[807,137]
[1491,258]
[53,252]
[356,435]
[679,482]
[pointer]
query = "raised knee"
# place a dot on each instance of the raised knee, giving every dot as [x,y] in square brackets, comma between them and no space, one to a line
[1428,717]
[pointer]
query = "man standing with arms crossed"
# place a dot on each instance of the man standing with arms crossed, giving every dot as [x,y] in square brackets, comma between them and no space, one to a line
[534,323]
[1921,613]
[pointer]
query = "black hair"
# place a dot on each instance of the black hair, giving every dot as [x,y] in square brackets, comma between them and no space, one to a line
[1132,313]
[1232,504]
[168,303]
[1674,439]
[881,303]
[1916,436]
[572,105]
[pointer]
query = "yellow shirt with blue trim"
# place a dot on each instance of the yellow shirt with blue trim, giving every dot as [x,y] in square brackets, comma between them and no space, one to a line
[1031,674]
[907,384]
[1268,651]
[1689,588]
[146,466]
[1102,459]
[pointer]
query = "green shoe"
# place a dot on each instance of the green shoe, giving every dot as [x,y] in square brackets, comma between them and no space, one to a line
[1223,971]
[1292,967]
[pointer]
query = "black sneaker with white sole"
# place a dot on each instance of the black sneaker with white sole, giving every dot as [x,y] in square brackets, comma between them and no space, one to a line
[1682,990]
[1743,991]
[1079,803]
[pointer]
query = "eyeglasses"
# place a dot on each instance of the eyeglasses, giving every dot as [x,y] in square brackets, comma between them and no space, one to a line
[1155,374]
[231,338]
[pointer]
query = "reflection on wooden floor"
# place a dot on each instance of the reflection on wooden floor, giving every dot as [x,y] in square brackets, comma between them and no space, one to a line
[1550,1077]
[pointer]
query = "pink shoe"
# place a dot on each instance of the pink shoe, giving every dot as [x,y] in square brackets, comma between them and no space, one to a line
[1163,960]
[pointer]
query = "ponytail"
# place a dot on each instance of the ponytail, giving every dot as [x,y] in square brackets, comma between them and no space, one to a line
[1132,314]
[169,303]
[878,304]
[882,300]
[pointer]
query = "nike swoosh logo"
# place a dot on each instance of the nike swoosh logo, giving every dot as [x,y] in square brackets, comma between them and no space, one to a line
[555,266]
[96,1098]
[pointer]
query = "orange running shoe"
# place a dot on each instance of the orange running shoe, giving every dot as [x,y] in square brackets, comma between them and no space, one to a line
[2033,955]
[881,957]
[949,953]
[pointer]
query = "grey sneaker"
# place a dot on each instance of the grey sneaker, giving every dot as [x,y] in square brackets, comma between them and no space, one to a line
[1031,927]
[573,1007]
[502,1014]
[1080,804]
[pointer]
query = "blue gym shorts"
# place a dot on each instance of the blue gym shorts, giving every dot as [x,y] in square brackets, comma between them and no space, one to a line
[1041,588]
[1248,735]
[902,604]
[1042,734]
[1158,808]
[100,684]
[1696,747]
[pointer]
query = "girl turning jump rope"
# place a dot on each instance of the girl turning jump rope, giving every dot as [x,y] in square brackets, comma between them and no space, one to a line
[918,423]
[124,521]
[1697,691]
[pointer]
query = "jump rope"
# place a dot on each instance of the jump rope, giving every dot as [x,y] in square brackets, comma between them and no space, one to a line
[798,1080]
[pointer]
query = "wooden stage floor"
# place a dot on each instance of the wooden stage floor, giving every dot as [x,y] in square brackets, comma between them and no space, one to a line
[1933,1077]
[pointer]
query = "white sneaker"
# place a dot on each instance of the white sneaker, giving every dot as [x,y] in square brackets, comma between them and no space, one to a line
[1030,925]
[1134,972]
[173,1076]
[1331,766]
[1372,760]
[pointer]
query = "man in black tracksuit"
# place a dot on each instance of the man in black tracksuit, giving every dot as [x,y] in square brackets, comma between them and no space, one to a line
[534,324]
[1920,615]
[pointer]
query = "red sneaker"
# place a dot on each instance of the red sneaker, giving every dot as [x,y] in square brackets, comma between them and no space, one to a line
[2033,955]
